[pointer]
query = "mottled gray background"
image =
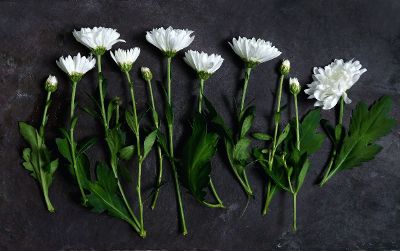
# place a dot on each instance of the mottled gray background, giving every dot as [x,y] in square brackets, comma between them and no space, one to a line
[358,209]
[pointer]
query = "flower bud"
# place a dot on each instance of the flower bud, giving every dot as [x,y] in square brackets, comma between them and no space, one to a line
[146,73]
[117,101]
[51,84]
[285,67]
[294,86]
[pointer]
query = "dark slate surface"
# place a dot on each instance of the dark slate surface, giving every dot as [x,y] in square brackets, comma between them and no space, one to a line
[358,209]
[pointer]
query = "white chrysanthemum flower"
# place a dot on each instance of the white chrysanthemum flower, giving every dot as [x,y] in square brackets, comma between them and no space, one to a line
[51,83]
[332,82]
[76,66]
[254,51]
[125,58]
[170,40]
[98,39]
[294,86]
[204,64]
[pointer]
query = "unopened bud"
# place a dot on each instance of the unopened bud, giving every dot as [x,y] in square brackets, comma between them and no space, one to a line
[285,67]
[51,84]
[294,86]
[146,73]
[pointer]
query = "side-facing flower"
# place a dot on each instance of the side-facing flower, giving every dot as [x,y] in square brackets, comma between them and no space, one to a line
[125,58]
[331,82]
[51,84]
[170,40]
[204,64]
[98,39]
[254,51]
[76,66]
[294,86]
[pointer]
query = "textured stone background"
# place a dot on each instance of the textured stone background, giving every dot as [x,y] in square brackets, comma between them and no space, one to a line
[358,209]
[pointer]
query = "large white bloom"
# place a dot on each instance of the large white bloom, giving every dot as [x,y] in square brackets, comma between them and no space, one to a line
[170,40]
[125,58]
[331,82]
[202,62]
[76,66]
[97,38]
[254,51]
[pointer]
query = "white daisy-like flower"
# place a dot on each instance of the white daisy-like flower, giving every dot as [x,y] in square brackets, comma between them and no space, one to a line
[170,40]
[204,64]
[125,58]
[254,51]
[51,83]
[98,39]
[331,82]
[76,66]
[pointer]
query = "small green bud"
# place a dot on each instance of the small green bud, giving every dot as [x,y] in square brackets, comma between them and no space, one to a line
[117,101]
[51,84]
[285,67]
[146,73]
[294,86]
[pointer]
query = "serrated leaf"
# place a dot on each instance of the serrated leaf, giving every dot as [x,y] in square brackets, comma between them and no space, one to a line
[149,142]
[131,121]
[310,139]
[241,150]
[197,154]
[126,153]
[366,126]
[261,136]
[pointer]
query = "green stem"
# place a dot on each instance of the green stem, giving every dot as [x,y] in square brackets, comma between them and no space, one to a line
[72,145]
[328,174]
[201,92]
[100,86]
[246,82]
[169,59]
[44,118]
[45,191]
[294,212]
[297,123]
[272,152]
[140,157]
[216,196]
[159,152]
[171,153]
[117,115]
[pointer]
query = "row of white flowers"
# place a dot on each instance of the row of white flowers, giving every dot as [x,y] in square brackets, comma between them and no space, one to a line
[330,83]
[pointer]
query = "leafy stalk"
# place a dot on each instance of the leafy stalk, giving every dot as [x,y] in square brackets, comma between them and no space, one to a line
[271,188]
[170,125]
[358,145]
[37,158]
[139,153]
[159,152]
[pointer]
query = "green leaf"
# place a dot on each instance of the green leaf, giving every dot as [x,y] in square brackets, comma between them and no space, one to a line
[86,144]
[162,141]
[29,133]
[104,197]
[247,123]
[329,130]
[110,109]
[217,123]
[64,149]
[283,135]
[310,139]
[74,121]
[241,150]
[366,126]
[131,121]
[197,154]
[262,136]
[302,174]
[126,153]
[149,142]
[83,167]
